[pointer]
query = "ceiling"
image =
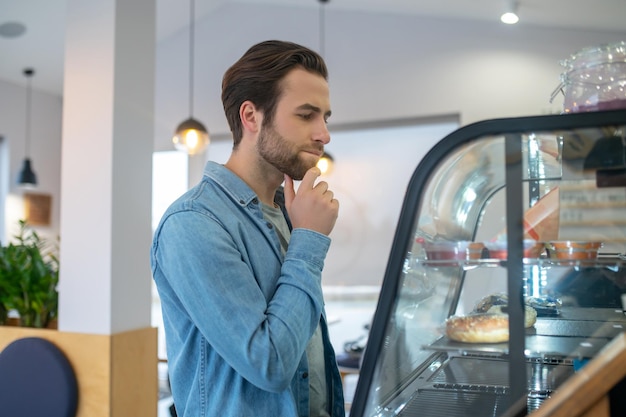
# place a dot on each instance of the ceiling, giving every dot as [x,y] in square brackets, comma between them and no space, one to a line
[42,44]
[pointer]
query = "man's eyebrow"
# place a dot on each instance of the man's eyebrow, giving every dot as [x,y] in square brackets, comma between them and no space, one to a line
[308,106]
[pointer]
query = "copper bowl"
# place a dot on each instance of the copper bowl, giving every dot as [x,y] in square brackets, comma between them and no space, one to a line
[459,251]
[573,250]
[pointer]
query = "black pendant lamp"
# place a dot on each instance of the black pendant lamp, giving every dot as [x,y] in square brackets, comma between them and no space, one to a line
[27,177]
[191,135]
[326,162]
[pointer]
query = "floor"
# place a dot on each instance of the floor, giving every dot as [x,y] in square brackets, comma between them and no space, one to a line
[348,313]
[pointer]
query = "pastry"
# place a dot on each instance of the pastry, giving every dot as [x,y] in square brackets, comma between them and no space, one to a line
[478,328]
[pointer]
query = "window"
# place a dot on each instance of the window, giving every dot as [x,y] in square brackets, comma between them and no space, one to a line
[169,181]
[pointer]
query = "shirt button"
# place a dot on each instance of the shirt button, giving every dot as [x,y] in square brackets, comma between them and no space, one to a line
[242,202]
[255,201]
[305,375]
[269,225]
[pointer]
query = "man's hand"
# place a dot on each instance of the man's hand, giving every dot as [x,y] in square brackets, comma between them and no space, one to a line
[314,206]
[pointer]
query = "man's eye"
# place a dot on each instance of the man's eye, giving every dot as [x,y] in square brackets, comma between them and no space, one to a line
[307,116]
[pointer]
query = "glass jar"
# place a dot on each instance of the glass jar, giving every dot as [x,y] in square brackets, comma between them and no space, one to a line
[594,79]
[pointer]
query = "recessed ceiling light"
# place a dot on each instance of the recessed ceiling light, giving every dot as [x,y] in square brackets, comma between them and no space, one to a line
[510,18]
[12,29]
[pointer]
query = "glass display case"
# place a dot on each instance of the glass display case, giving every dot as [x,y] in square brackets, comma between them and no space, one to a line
[521,218]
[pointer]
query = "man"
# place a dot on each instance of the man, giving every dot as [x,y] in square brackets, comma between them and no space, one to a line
[237,260]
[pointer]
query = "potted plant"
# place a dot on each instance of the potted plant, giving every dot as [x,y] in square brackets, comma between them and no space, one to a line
[29,274]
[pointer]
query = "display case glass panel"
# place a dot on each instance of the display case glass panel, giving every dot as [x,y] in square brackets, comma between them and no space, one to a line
[522,219]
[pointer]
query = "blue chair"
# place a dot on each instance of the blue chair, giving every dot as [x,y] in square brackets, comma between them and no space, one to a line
[36,380]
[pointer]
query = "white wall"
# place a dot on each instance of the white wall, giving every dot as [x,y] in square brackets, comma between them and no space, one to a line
[381,67]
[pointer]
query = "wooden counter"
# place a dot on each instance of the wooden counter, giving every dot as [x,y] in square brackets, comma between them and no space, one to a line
[117,374]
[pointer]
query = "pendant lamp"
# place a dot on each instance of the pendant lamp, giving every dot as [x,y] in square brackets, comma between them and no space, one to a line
[326,162]
[191,135]
[27,177]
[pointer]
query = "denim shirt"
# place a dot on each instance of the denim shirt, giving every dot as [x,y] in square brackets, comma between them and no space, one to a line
[238,315]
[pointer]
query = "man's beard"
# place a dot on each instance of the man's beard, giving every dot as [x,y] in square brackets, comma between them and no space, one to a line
[275,150]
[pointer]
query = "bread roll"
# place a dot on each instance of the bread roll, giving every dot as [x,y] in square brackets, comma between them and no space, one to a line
[478,328]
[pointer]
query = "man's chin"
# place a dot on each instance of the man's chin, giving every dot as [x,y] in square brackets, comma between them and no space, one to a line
[298,174]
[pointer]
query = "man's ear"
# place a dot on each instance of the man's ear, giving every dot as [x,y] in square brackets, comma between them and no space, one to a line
[251,118]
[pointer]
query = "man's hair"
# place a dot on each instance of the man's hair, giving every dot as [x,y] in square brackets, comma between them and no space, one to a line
[257,77]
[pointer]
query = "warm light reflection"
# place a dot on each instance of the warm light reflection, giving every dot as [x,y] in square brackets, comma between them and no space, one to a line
[325,164]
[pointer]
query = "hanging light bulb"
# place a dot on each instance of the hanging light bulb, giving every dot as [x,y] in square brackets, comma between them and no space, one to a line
[27,177]
[510,16]
[191,135]
[326,162]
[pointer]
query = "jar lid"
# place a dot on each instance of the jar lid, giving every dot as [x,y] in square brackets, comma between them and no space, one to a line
[591,56]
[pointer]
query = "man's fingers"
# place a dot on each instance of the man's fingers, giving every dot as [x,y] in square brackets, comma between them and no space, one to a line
[322,187]
[308,181]
[314,206]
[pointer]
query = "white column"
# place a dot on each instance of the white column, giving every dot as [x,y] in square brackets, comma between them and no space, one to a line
[104,284]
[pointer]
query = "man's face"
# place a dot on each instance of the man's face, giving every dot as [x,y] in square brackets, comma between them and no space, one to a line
[294,142]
